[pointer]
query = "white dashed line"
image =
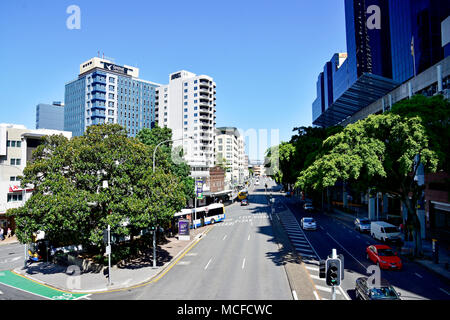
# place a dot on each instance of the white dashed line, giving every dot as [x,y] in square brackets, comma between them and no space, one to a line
[316,295]
[243,263]
[418,275]
[224,237]
[208,263]
[444,291]
[294,294]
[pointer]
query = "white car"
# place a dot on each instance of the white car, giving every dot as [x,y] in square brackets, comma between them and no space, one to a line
[384,231]
[308,223]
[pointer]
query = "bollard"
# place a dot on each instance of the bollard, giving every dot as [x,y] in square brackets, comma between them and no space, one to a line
[435,247]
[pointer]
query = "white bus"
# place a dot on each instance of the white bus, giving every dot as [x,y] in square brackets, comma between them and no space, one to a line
[211,214]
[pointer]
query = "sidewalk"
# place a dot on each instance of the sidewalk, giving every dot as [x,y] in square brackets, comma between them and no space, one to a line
[130,274]
[442,268]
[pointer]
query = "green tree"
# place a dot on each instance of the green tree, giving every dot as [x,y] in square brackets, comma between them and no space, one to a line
[69,202]
[377,152]
[164,154]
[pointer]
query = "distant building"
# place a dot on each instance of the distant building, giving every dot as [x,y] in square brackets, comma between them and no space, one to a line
[230,152]
[17,144]
[50,116]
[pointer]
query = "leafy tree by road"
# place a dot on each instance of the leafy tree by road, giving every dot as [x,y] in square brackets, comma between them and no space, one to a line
[68,201]
[377,152]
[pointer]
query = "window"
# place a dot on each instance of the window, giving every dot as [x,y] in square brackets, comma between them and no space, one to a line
[195,88]
[185,90]
[111,80]
[185,84]
[185,123]
[111,88]
[195,94]
[14,197]
[195,114]
[185,103]
[185,116]
[185,110]
[15,162]
[195,108]
[185,97]
[195,81]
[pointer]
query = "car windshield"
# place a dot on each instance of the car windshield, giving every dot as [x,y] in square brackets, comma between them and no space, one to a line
[308,220]
[364,221]
[386,252]
[383,293]
[390,230]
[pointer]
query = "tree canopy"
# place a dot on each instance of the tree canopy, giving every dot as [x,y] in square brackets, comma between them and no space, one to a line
[69,202]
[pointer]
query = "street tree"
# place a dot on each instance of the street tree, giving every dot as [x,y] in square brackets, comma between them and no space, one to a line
[382,152]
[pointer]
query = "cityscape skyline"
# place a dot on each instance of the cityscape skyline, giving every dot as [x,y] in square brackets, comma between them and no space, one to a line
[237,57]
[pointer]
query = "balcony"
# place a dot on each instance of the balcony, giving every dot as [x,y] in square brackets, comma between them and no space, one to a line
[98,88]
[98,106]
[98,96]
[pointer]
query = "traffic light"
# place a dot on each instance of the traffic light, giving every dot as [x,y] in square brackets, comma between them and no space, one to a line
[334,272]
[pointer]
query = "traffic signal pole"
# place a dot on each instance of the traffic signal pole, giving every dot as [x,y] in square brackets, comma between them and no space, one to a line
[333,288]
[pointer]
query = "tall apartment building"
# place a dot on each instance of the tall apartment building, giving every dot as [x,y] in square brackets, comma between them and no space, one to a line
[50,116]
[108,93]
[16,146]
[230,151]
[187,105]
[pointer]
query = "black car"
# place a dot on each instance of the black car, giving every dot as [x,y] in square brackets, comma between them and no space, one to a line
[384,291]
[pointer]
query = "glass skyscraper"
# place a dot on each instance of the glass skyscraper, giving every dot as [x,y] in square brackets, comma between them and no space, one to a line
[109,93]
[421,20]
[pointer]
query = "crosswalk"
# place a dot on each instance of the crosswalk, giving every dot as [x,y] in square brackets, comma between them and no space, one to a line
[298,238]
[248,218]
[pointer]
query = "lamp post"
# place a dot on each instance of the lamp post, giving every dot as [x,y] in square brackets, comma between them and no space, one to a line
[154,168]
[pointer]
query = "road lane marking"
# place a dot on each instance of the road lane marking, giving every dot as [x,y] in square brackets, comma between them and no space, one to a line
[243,263]
[316,295]
[326,289]
[224,237]
[311,268]
[316,277]
[248,237]
[294,294]
[418,275]
[444,291]
[344,293]
[208,263]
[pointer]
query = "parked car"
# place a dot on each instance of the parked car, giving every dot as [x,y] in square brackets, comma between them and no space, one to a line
[362,224]
[384,257]
[384,231]
[308,207]
[244,202]
[308,223]
[384,291]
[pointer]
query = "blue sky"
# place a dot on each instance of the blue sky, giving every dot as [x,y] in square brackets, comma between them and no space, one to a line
[264,55]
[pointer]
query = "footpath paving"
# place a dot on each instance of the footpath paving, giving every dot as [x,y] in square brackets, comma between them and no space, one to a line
[42,278]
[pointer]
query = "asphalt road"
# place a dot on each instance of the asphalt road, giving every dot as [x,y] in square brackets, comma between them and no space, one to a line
[414,282]
[237,259]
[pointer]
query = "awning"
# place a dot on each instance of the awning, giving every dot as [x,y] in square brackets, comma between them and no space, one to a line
[366,90]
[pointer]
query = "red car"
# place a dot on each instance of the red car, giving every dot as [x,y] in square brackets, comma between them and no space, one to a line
[384,256]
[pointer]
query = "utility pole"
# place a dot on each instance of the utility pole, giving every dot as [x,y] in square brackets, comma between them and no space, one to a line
[109,254]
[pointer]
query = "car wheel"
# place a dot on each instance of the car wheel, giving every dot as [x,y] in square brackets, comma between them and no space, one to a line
[367,256]
[212,221]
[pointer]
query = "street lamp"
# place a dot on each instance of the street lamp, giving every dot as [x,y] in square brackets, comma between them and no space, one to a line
[154,168]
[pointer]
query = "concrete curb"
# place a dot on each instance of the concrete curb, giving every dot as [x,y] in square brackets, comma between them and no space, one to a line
[113,288]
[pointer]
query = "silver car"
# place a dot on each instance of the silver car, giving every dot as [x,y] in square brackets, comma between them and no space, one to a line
[308,224]
[362,224]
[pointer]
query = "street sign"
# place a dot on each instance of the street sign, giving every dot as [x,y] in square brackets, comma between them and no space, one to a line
[199,189]
[183,230]
[108,250]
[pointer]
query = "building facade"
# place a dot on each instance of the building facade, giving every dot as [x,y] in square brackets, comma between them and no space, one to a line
[187,105]
[17,144]
[408,41]
[50,116]
[108,93]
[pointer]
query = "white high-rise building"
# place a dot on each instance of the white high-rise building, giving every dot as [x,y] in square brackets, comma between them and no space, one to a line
[187,105]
